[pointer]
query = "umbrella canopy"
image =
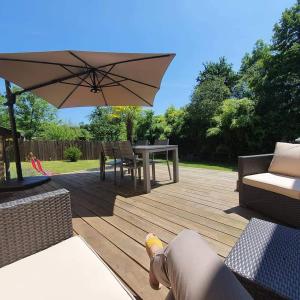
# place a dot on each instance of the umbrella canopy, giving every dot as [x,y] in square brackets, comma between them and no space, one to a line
[79,78]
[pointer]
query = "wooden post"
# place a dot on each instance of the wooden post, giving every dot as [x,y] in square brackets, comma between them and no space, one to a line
[11,100]
[2,177]
[6,161]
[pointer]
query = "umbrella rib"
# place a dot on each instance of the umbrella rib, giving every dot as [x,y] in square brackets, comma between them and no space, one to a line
[121,62]
[135,59]
[112,83]
[106,72]
[80,59]
[53,81]
[134,80]
[83,85]
[70,94]
[74,74]
[39,62]
[126,88]
[103,97]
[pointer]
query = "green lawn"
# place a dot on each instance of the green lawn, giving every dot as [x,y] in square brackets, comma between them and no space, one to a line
[83,165]
[206,165]
[57,167]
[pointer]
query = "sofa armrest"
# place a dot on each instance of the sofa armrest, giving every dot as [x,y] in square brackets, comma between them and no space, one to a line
[253,164]
[32,224]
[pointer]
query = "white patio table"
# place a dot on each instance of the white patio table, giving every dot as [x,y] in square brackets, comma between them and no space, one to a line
[145,152]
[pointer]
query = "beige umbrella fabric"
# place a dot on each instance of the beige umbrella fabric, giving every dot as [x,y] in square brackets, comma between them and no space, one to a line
[80,78]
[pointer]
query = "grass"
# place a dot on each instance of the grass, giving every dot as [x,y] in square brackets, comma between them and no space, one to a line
[206,165]
[60,167]
[57,167]
[209,165]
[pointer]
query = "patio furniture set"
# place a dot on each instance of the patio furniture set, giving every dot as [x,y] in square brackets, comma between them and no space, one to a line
[134,158]
[37,245]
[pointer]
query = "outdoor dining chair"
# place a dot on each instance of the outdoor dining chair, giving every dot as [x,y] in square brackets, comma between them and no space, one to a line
[142,143]
[130,160]
[159,143]
[109,151]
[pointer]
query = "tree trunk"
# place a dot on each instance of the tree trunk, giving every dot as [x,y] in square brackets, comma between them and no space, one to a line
[129,130]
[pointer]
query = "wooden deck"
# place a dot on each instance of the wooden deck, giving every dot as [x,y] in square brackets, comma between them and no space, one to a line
[114,220]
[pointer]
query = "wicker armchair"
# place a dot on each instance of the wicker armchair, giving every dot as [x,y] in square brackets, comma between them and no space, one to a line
[279,207]
[32,224]
[40,257]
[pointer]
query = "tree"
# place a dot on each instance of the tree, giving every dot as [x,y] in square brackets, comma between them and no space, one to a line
[32,113]
[104,127]
[144,125]
[286,31]
[278,90]
[234,126]
[4,119]
[206,99]
[63,132]
[150,127]
[252,70]
[128,115]
[221,69]
[175,121]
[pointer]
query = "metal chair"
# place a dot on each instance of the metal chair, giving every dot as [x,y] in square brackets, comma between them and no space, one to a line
[142,143]
[159,143]
[108,151]
[130,160]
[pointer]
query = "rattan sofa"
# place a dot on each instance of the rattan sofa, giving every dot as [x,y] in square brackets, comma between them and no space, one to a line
[276,205]
[41,259]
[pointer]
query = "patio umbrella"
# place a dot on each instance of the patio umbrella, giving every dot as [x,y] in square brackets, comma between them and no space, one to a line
[80,78]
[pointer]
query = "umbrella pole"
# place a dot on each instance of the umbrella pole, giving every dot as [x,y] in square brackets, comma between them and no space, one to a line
[11,100]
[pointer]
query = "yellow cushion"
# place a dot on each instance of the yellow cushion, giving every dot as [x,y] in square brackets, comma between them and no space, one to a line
[68,270]
[286,159]
[280,184]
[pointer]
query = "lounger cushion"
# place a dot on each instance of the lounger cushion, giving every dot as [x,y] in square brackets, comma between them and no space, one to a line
[68,270]
[280,184]
[286,159]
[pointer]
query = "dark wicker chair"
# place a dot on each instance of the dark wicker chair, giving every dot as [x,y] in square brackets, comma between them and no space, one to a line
[32,224]
[279,207]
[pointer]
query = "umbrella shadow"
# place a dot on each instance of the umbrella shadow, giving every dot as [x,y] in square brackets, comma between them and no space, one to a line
[88,198]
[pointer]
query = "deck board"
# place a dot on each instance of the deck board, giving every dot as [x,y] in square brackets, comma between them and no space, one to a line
[115,220]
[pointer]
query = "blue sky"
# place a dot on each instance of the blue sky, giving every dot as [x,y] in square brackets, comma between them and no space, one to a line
[196,30]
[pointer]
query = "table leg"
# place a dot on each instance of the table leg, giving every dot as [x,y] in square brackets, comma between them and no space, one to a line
[175,166]
[146,172]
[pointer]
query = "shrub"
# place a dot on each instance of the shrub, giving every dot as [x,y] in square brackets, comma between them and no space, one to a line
[72,153]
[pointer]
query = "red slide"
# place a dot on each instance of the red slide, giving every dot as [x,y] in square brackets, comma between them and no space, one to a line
[36,164]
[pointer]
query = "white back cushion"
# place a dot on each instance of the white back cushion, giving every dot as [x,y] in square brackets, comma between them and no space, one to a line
[286,160]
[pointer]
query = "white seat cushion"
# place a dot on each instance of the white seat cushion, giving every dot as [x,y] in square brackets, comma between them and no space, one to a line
[280,184]
[68,270]
[286,160]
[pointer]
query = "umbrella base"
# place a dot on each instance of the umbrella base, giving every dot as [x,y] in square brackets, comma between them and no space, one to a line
[26,183]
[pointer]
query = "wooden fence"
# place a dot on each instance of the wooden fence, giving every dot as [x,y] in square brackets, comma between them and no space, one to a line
[54,150]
